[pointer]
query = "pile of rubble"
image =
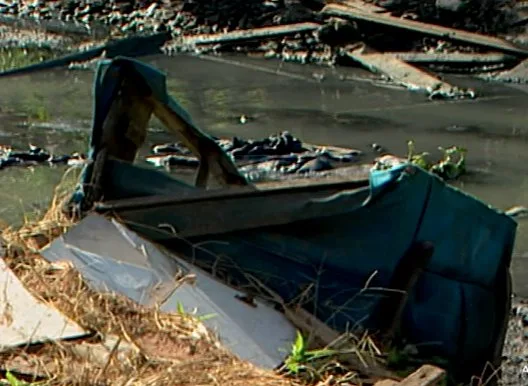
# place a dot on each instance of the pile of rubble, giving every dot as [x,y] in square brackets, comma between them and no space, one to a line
[196,16]
[396,38]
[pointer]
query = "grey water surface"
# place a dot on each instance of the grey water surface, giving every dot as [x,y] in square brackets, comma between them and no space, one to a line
[335,106]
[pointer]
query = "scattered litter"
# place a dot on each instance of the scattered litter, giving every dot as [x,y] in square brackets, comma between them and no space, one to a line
[300,32]
[296,239]
[24,320]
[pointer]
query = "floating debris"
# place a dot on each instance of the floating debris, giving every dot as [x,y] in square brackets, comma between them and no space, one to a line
[35,156]
[406,75]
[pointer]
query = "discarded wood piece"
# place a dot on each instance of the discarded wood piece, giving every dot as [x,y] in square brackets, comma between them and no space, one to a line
[427,375]
[406,75]
[518,74]
[387,382]
[370,7]
[133,47]
[270,207]
[249,34]
[452,57]
[424,28]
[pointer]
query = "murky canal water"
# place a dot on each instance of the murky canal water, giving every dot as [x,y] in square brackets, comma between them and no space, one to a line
[320,105]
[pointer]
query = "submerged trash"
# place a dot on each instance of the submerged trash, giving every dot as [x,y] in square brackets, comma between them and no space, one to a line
[406,75]
[277,154]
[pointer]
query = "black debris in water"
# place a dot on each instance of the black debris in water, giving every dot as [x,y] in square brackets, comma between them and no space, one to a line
[36,156]
[279,153]
[274,157]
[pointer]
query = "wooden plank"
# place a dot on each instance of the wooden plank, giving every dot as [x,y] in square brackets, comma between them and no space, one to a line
[517,74]
[362,5]
[452,57]
[387,382]
[283,187]
[210,212]
[216,168]
[347,173]
[424,28]
[250,34]
[405,74]
[426,375]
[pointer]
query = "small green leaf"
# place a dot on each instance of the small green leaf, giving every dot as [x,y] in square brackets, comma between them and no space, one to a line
[205,317]
[298,348]
[14,381]
[180,308]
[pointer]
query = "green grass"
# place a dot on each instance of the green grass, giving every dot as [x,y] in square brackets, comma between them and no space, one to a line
[301,359]
[13,57]
[12,380]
